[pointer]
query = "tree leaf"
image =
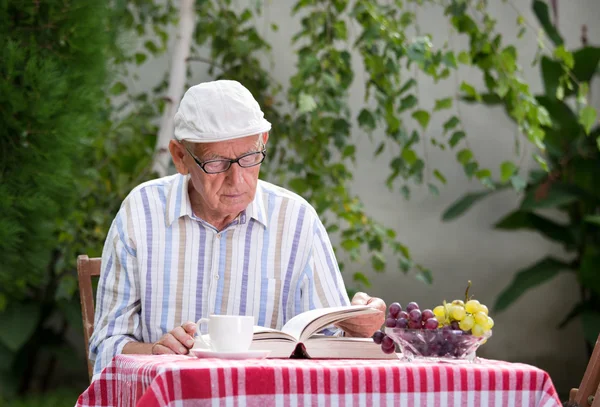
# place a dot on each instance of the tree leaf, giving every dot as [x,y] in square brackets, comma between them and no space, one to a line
[298,185]
[518,220]
[140,58]
[463,204]
[306,103]
[424,275]
[457,136]
[408,102]
[595,219]
[507,169]
[359,277]
[451,123]
[470,91]
[588,270]
[433,189]
[548,197]
[591,326]
[518,182]
[464,156]
[409,156]
[439,176]
[409,84]
[587,118]
[378,261]
[366,120]
[449,60]
[18,324]
[422,117]
[118,88]
[528,278]
[464,58]
[441,104]
[541,10]
[565,56]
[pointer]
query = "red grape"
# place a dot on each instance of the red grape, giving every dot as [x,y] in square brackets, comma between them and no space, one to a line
[401,323]
[431,323]
[387,342]
[390,322]
[378,337]
[403,314]
[414,324]
[426,314]
[411,306]
[415,315]
[395,309]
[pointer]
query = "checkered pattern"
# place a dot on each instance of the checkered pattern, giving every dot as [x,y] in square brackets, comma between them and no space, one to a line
[185,381]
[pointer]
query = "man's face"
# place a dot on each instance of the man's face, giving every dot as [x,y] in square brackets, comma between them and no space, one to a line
[227,193]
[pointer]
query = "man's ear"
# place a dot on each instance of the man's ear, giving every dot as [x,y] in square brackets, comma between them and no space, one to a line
[265,137]
[177,151]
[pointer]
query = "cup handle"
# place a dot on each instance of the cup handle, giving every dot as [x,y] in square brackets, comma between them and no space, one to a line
[199,336]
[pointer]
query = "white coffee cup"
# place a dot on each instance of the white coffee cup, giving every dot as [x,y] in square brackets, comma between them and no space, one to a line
[226,333]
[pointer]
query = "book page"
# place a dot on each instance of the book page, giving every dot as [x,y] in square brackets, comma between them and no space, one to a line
[302,326]
[262,333]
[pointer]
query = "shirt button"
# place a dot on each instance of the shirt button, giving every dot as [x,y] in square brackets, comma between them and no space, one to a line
[216,276]
[218,235]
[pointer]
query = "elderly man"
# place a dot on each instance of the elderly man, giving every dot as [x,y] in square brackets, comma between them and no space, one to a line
[213,239]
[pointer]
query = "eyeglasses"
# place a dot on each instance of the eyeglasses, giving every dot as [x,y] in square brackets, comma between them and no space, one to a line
[217,166]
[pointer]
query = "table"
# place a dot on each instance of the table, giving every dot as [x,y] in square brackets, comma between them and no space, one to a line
[175,380]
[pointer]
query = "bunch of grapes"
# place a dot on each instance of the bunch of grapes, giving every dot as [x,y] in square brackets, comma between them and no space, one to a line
[472,317]
[452,329]
[412,318]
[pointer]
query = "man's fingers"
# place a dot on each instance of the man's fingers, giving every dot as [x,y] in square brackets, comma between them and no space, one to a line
[183,337]
[171,342]
[190,328]
[159,349]
[377,303]
[360,298]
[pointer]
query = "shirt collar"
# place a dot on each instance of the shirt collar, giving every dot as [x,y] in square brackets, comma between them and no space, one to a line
[178,203]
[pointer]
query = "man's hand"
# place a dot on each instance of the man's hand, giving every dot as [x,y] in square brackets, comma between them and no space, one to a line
[179,341]
[364,326]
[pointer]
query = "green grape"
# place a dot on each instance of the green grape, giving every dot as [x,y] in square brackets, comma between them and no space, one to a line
[490,322]
[467,323]
[472,306]
[458,302]
[439,311]
[480,318]
[458,312]
[477,330]
[484,309]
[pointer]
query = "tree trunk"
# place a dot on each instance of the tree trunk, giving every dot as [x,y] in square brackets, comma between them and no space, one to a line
[183,43]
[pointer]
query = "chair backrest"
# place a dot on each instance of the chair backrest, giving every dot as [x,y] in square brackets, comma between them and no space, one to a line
[86,269]
[588,393]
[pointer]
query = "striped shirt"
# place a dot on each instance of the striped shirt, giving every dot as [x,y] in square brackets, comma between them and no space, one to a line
[163,266]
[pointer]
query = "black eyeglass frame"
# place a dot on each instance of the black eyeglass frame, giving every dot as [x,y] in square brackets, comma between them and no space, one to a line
[236,161]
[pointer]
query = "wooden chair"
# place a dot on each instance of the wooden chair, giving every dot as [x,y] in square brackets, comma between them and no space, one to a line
[86,269]
[588,392]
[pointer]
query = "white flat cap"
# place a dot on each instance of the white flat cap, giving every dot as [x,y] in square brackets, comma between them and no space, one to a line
[217,111]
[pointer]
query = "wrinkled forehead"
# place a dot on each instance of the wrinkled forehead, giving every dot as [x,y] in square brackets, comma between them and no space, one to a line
[225,148]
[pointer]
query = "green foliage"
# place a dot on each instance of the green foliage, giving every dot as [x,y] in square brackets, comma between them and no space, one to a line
[51,92]
[568,184]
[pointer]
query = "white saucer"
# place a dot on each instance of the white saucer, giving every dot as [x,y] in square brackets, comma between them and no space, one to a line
[250,354]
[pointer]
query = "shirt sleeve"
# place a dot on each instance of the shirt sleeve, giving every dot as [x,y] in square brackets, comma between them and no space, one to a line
[117,315]
[322,282]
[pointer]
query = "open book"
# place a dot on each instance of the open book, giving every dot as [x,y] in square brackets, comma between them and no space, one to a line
[301,337]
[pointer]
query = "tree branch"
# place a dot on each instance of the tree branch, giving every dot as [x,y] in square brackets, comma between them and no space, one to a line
[183,43]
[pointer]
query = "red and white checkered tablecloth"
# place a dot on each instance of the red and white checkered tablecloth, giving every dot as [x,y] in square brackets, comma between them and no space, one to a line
[146,380]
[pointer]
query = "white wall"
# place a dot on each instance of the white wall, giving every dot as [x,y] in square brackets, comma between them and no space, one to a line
[467,248]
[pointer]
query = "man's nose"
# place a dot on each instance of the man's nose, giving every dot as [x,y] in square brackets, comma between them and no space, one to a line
[235,174]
